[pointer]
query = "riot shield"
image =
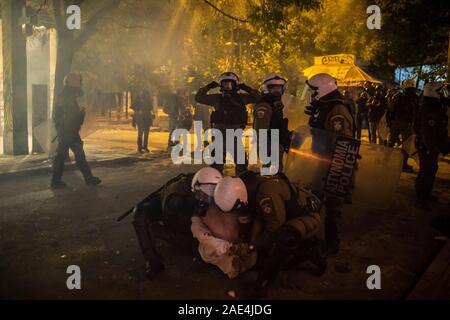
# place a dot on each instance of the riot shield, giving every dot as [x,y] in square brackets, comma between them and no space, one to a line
[46,135]
[383,128]
[409,147]
[334,165]
[295,112]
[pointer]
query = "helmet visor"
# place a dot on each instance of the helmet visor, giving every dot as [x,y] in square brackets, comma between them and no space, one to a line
[239,206]
[314,91]
[228,85]
[275,89]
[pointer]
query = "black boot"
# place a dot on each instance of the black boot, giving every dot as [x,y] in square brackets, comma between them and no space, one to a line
[268,273]
[331,233]
[317,258]
[153,268]
[153,260]
[57,185]
[93,181]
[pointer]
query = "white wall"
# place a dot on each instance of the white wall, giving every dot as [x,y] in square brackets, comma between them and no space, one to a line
[41,61]
[1,90]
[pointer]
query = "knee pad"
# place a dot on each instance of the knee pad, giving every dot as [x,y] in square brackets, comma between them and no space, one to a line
[288,238]
[307,226]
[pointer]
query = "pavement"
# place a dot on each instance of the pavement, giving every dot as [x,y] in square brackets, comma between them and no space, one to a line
[106,142]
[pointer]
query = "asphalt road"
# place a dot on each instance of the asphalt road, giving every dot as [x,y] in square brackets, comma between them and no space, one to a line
[42,232]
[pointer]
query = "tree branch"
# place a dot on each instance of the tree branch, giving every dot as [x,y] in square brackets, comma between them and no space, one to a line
[224,13]
[91,25]
[131,26]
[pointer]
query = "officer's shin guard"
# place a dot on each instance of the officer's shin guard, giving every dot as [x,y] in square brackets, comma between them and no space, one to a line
[153,259]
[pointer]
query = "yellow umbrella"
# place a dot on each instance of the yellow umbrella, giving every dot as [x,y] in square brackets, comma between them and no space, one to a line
[344,70]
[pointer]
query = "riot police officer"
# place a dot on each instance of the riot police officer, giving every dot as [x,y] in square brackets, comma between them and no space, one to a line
[389,98]
[377,109]
[369,88]
[173,106]
[281,227]
[69,118]
[404,104]
[268,114]
[229,110]
[172,206]
[143,117]
[430,126]
[349,99]
[362,113]
[329,111]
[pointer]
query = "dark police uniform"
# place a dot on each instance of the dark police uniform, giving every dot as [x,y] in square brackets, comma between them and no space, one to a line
[404,104]
[362,113]
[430,126]
[268,114]
[229,113]
[166,213]
[143,117]
[173,105]
[282,229]
[333,115]
[68,119]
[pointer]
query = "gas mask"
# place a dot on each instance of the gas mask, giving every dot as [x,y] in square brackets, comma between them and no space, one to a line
[275,90]
[227,87]
[203,199]
[315,103]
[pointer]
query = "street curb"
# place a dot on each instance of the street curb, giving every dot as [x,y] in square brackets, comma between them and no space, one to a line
[70,166]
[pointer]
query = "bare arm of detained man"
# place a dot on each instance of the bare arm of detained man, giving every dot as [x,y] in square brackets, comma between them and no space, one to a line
[218,251]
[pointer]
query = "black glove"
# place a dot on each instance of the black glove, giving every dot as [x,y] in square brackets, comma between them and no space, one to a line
[313,203]
[311,110]
[243,86]
[213,85]
[278,103]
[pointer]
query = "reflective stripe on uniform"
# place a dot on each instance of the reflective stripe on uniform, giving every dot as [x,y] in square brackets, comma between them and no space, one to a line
[266,206]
